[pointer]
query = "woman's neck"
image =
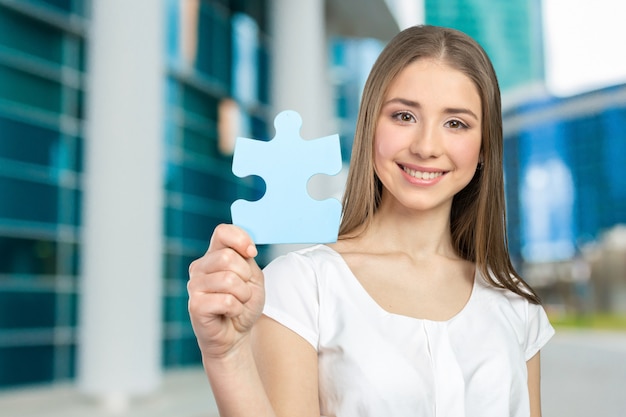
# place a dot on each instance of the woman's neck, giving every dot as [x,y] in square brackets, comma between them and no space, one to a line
[418,233]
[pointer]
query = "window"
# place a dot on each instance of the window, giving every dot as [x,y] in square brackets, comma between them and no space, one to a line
[21,256]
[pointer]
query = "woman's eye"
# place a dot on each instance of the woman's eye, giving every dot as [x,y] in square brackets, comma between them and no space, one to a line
[404,117]
[456,124]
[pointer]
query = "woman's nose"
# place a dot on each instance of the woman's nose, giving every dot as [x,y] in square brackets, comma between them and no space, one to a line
[426,142]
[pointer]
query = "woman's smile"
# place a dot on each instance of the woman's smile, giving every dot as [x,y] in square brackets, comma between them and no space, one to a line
[428,174]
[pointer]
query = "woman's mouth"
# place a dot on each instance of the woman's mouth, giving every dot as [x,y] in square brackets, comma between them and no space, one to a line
[422,175]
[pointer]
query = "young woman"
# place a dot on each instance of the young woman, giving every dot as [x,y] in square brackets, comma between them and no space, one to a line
[416,310]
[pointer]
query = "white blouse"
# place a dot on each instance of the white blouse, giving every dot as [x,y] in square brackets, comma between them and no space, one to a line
[375,363]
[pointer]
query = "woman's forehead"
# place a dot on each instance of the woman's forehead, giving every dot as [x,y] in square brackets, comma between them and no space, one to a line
[429,81]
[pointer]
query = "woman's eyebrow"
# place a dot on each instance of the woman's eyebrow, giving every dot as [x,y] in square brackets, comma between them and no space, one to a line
[461,110]
[403,101]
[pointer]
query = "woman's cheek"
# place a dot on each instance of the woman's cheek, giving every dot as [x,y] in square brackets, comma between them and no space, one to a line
[385,148]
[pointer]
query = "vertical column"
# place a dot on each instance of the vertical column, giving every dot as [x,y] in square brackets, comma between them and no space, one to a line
[299,68]
[300,79]
[299,64]
[120,304]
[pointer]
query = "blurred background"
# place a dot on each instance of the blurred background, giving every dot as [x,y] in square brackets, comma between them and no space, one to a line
[117,123]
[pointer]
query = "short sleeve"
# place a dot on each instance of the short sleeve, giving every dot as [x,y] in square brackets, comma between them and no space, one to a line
[538,330]
[291,295]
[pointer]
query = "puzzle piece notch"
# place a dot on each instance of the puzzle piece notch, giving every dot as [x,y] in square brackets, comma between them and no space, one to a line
[286,213]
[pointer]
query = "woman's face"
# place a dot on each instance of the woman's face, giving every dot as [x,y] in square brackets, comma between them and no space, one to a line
[428,137]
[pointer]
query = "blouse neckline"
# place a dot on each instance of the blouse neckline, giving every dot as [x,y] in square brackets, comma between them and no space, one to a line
[363,294]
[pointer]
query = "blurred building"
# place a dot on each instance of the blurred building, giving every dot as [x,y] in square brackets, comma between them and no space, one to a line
[565,194]
[42,91]
[117,122]
[510,31]
[564,157]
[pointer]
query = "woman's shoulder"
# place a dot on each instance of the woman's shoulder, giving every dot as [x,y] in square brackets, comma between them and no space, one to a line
[528,318]
[302,259]
[504,299]
[495,294]
[492,284]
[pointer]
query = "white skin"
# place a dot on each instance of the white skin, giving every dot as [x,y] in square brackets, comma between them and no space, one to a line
[430,123]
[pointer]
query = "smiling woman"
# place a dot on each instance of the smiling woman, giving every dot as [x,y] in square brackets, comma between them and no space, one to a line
[416,310]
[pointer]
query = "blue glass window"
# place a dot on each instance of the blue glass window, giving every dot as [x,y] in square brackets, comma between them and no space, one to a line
[26,364]
[27,256]
[27,142]
[26,309]
[27,35]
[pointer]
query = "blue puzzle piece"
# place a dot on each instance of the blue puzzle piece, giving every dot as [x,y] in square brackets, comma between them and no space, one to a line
[286,213]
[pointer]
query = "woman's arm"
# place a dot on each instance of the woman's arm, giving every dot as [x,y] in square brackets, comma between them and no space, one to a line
[534,385]
[236,385]
[288,367]
[272,374]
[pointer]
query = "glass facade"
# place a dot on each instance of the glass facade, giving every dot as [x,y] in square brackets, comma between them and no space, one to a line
[212,46]
[42,44]
[563,163]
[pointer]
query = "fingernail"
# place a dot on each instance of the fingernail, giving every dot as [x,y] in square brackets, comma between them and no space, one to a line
[251,251]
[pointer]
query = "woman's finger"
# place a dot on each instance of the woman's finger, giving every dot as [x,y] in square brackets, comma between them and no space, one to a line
[212,305]
[222,282]
[231,236]
[225,259]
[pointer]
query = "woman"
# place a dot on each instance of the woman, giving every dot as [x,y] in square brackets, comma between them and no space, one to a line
[416,310]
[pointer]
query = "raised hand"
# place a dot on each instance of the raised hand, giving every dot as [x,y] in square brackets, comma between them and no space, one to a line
[226,292]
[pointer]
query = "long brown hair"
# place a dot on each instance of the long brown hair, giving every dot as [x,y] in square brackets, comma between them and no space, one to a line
[477,218]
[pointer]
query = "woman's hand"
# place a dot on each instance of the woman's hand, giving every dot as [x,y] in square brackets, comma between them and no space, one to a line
[226,292]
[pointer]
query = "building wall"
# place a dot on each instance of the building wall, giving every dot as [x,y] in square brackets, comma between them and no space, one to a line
[563,158]
[42,56]
[43,49]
